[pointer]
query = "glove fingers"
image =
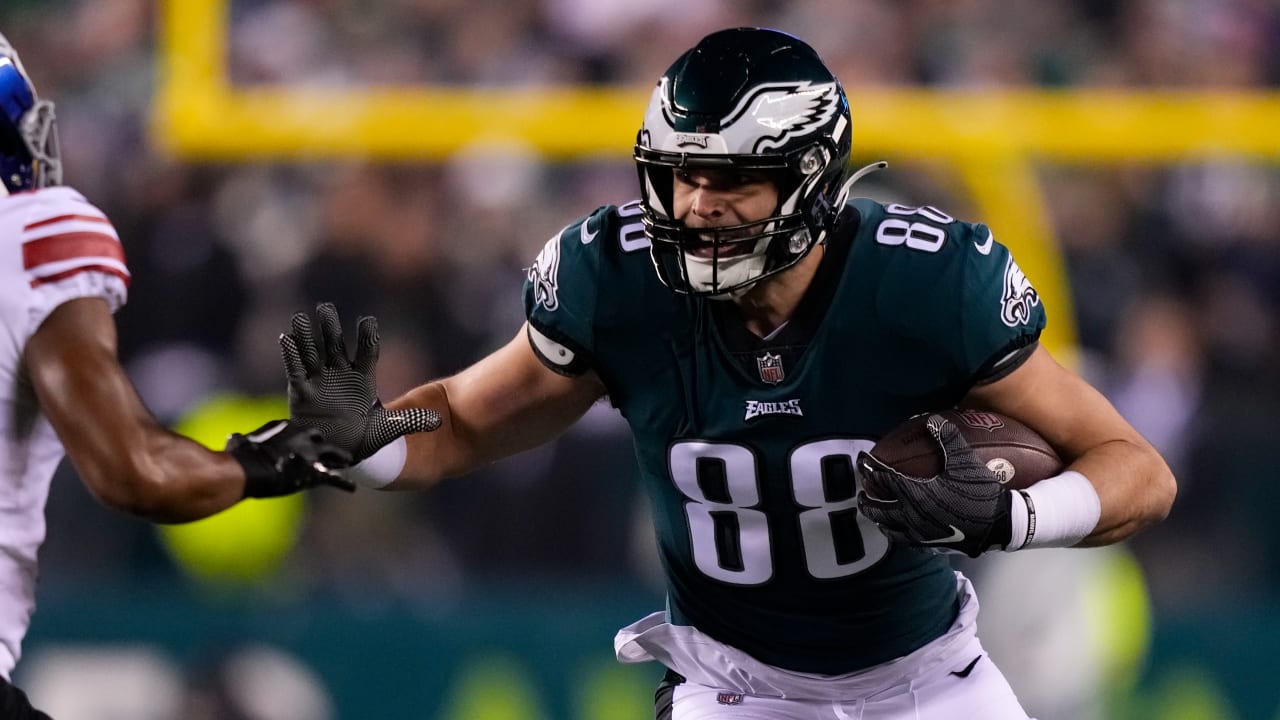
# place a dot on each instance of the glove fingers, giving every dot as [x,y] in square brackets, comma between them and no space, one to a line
[317,460]
[366,345]
[335,347]
[294,368]
[877,478]
[333,457]
[945,433]
[885,515]
[335,480]
[955,449]
[304,340]
[876,508]
[868,466]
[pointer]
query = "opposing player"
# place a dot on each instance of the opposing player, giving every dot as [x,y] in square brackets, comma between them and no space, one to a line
[758,330]
[62,274]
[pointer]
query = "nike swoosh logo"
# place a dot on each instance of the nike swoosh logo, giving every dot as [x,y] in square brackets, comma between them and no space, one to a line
[962,674]
[984,248]
[955,536]
[584,236]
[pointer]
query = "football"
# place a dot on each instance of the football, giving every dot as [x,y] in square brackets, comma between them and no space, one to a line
[1014,452]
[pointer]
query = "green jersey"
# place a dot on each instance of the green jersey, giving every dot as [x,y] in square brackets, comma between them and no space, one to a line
[747,453]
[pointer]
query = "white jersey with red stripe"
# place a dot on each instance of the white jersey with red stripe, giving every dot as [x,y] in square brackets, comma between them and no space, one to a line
[55,246]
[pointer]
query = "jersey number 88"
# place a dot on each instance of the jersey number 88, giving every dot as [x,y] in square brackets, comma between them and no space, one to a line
[730,538]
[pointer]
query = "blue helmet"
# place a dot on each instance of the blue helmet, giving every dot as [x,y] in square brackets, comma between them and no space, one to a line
[28,136]
[752,99]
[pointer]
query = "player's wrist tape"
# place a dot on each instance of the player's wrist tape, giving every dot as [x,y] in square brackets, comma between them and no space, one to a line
[381,468]
[1056,512]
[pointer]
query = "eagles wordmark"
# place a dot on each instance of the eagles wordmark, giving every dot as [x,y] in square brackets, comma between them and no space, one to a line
[756,408]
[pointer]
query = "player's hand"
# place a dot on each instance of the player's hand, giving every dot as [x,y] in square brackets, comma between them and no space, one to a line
[281,457]
[965,508]
[337,396]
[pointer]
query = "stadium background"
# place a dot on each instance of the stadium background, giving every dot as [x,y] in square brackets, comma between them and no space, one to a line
[407,158]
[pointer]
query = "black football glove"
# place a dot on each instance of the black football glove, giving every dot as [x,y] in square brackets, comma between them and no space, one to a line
[965,508]
[281,457]
[339,397]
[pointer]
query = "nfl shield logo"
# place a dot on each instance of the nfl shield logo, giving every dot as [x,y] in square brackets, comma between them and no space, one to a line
[981,421]
[770,368]
[729,698]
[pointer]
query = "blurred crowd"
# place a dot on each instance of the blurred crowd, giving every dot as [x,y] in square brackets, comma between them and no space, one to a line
[1175,270]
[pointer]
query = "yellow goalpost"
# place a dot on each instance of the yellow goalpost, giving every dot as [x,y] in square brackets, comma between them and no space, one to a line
[990,137]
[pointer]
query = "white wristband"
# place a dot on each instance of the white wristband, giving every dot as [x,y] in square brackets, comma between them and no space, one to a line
[381,468]
[1056,512]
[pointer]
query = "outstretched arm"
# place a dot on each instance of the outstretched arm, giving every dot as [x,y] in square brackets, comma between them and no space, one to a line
[124,456]
[503,404]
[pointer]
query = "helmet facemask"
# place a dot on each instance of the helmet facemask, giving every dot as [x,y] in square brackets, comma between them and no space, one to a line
[782,114]
[29,155]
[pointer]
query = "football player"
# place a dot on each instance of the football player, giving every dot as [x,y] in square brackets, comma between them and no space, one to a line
[62,275]
[758,328]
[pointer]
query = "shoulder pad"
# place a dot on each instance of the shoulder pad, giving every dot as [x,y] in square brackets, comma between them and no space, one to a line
[62,234]
[59,247]
[944,282]
[580,275]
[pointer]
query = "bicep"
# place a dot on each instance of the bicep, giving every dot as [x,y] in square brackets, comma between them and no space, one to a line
[71,362]
[1135,486]
[505,403]
[511,395]
[1059,404]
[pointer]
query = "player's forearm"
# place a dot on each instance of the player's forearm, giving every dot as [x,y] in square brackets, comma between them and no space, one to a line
[436,455]
[460,445]
[479,425]
[164,478]
[1135,488]
[464,441]
[505,403]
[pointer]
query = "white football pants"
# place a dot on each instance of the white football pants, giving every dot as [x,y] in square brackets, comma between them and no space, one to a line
[949,678]
[946,692]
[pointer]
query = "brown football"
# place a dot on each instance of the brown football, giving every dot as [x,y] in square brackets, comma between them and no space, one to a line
[1016,453]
